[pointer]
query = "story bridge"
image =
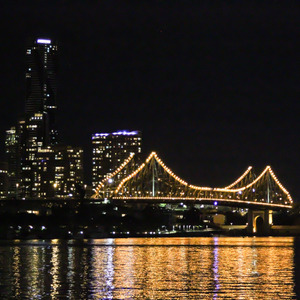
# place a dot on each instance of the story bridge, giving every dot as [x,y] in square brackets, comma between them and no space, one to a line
[153,182]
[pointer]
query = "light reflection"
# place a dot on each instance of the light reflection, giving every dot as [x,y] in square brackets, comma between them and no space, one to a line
[216,268]
[71,270]
[55,271]
[151,268]
[16,267]
[102,270]
[109,272]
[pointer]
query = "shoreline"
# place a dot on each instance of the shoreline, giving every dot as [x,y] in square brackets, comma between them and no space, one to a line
[212,233]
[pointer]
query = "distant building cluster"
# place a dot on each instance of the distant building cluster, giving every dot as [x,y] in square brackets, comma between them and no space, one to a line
[38,165]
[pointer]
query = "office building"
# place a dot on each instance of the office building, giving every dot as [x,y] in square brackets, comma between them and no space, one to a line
[111,149]
[59,172]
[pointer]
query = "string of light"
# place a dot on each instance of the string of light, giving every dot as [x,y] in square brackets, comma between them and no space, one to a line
[168,170]
[202,199]
[280,185]
[129,177]
[122,166]
[239,179]
[227,189]
[161,163]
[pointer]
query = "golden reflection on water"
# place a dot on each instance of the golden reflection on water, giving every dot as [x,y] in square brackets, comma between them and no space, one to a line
[197,268]
[16,270]
[150,268]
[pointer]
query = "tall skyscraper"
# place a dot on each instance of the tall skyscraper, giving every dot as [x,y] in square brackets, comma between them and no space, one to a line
[111,149]
[41,86]
[38,129]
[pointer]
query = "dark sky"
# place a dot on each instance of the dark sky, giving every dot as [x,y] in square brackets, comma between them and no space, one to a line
[213,85]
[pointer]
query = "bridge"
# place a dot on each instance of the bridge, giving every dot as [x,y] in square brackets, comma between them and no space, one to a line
[153,182]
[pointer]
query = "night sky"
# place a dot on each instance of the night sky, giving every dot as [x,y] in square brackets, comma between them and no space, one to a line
[213,85]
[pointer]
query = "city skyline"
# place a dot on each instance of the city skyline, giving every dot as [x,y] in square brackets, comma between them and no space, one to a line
[209,99]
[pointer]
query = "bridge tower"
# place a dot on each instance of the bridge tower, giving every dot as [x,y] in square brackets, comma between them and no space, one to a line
[260,221]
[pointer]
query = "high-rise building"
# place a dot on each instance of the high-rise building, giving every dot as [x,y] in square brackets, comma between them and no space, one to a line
[59,172]
[31,139]
[111,149]
[38,130]
[41,86]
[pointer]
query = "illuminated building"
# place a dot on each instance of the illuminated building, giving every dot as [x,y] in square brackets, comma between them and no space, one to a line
[59,172]
[41,87]
[12,152]
[38,128]
[111,149]
[31,141]
[3,180]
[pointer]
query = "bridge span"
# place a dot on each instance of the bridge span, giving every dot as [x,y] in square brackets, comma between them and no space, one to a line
[153,182]
[192,201]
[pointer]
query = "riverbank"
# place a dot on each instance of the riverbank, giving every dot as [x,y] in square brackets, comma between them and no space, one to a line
[230,231]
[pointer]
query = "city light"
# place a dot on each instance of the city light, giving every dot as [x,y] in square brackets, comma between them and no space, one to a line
[125,132]
[43,41]
[239,179]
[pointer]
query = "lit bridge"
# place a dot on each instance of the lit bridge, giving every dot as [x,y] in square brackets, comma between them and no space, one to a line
[153,182]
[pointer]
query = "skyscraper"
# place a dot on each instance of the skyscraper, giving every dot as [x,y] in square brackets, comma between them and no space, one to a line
[41,86]
[38,129]
[111,149]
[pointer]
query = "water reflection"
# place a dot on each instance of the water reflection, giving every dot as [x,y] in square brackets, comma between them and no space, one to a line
[150,268]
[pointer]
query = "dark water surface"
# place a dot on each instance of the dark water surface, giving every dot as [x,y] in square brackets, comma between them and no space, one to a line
[151,268]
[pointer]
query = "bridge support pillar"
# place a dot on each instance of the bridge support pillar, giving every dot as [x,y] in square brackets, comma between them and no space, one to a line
[259,221]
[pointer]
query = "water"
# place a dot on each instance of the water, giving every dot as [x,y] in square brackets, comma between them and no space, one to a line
[151,268]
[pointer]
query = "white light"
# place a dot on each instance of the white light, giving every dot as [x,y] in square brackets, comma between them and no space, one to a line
[43,41]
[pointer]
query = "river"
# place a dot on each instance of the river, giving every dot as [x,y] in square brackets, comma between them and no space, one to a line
[151,268]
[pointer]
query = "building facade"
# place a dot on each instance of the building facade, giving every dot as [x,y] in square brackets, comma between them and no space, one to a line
[12,154]
[59,172]
[110,150]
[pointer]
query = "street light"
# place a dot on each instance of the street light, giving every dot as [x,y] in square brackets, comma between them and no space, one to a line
[55,185]
[17,190]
